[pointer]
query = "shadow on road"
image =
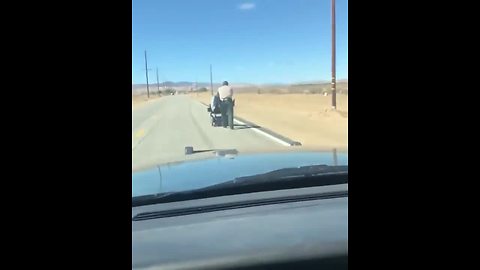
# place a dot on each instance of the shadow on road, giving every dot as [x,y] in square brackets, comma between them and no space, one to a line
[236,126]
[217,152]
[201,151]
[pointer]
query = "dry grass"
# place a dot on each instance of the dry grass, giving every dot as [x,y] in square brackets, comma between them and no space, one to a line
[140,100]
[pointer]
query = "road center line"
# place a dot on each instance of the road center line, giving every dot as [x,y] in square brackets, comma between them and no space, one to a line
[140,133]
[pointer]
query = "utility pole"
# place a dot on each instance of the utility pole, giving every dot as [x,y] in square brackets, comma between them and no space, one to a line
[334,91]
[146,74]
[211,80]
[158,83]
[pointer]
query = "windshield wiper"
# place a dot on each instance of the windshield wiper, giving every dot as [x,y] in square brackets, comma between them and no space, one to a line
[305,171]
[287,178]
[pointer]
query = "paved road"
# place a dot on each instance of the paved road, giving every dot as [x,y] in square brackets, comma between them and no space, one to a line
[161,129]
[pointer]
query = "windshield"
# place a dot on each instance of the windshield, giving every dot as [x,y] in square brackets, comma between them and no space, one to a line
[226,89]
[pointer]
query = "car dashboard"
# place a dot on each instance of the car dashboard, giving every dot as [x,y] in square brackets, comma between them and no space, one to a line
[303,227]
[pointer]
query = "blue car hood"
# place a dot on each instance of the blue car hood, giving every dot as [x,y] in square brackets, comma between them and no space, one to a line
[201,173]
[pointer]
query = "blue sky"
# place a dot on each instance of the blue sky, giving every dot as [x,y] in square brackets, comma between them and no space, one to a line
[258,41]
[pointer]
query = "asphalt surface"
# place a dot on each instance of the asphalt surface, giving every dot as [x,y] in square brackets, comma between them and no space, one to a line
[162,128]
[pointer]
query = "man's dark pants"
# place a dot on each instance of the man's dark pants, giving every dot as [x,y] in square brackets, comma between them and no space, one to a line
[226,108]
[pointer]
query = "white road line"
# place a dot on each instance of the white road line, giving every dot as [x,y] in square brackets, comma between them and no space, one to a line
[265,134]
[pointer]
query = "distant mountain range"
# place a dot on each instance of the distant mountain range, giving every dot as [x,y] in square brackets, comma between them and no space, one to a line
[189,84]
[171,84]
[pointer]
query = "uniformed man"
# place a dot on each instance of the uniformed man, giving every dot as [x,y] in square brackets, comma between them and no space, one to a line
[226,104]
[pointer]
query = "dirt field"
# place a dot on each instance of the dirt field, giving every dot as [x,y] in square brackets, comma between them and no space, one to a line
[306,118]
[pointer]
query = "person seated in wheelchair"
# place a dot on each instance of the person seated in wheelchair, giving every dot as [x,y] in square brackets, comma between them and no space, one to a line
[215,104]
